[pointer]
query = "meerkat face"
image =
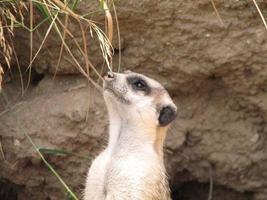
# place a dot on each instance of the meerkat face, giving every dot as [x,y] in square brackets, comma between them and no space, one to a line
[138,98]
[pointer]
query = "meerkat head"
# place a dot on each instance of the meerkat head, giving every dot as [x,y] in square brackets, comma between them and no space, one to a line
[139,99]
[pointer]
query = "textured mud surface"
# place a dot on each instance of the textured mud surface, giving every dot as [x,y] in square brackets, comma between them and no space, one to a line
[216,73]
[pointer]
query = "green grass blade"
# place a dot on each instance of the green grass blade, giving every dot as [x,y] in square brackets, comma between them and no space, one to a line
[75,4]
[43,10]
[62,152]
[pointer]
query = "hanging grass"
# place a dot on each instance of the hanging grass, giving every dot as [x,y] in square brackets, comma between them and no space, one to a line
[10,12]
[56,14]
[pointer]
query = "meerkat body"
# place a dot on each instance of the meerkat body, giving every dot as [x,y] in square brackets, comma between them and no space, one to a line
[132,166]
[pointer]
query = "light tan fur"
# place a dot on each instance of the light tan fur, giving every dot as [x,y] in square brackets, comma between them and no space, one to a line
[131,167]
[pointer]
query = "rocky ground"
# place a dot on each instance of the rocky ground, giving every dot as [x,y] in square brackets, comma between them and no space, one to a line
[216,72]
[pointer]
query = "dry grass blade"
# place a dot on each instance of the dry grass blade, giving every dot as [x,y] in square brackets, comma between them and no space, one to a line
[77,64]
[109,22]
[42,43]
[65,8]
[2,151]
[211,182]
[119,35]
[31,41]
[62,45]
[260,13]
[53,8]
[18,66]
[1,77]
[216,12]
[85,53]
[104,41]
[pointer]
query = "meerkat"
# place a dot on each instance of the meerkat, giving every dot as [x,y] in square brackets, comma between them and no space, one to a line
[132,167]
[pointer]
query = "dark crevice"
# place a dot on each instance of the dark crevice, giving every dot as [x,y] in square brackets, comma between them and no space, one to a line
[194,190]
[8,190]
[36,78]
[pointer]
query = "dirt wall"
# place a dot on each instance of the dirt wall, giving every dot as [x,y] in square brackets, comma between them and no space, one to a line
[216,73]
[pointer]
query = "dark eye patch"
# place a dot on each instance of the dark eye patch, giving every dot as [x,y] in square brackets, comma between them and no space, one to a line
[138,84]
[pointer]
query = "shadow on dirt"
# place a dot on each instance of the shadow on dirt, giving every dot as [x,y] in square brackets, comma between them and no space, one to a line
[194,190]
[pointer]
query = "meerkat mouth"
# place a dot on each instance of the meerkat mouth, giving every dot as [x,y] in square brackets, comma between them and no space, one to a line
[116,94]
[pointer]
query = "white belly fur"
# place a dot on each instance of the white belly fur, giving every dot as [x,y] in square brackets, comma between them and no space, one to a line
[122,176]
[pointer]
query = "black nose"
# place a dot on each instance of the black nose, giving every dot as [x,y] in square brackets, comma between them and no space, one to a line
[110,75]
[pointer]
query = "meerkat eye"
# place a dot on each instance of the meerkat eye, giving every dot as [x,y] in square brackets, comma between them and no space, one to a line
[138,84]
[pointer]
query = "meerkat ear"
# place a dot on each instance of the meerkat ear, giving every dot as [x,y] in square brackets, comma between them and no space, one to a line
[166,115]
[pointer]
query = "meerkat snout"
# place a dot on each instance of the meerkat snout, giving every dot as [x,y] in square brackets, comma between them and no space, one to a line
[109,76]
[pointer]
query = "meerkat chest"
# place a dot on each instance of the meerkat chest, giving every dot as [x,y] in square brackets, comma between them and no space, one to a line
[137,176]
[133,166]
[127,175]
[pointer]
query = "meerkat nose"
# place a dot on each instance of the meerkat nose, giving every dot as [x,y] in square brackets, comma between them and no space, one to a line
[110,76]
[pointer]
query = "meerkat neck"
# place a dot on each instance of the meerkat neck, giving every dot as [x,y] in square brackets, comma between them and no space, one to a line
[114,129]
[129,135]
